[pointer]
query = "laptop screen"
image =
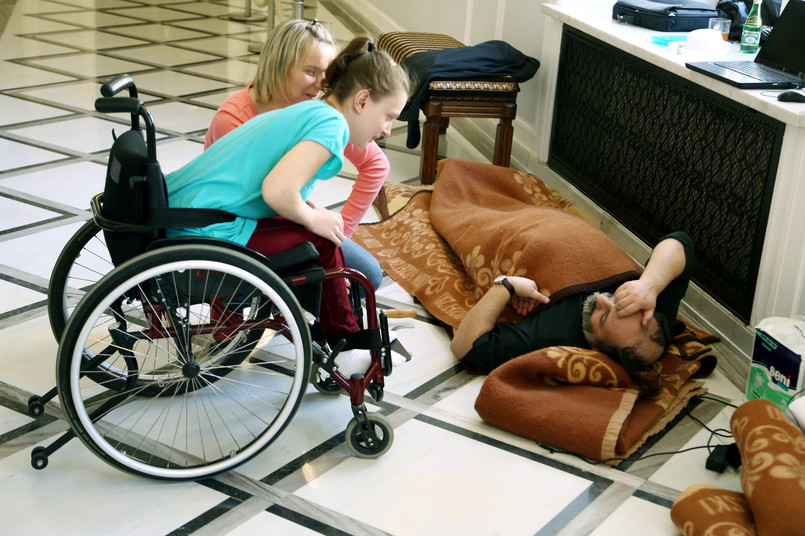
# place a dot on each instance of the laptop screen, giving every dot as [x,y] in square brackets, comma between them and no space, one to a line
[785,47]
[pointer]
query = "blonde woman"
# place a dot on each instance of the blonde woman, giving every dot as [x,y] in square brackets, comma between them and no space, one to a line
[290,70]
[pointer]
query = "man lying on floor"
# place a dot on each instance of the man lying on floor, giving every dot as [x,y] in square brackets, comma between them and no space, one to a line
[630,323]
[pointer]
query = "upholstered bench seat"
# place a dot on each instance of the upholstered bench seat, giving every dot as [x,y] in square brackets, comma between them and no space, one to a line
[446,97]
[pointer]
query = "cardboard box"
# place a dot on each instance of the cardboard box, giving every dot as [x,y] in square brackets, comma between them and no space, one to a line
[777,372]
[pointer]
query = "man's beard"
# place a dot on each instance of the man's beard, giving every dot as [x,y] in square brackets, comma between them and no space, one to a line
[587,314]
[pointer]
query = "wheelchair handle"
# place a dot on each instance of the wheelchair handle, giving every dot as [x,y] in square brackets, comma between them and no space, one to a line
[108,105]
[137,109]
[118,84]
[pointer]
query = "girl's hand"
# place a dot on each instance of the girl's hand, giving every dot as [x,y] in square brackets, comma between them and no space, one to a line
[327,224]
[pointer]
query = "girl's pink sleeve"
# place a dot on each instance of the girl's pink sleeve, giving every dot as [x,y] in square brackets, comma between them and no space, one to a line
[373,168]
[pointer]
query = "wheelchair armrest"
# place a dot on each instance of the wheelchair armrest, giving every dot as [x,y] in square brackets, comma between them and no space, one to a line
[107,224]
[299,256]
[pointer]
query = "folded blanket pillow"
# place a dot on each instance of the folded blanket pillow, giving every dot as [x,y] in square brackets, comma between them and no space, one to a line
[773,472]
[583,402]
[708,511]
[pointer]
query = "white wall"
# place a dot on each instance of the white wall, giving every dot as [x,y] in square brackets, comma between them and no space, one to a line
[518,22]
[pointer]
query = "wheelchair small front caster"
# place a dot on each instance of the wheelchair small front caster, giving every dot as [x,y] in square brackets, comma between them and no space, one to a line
[39,460]
[35,407]
[371,443]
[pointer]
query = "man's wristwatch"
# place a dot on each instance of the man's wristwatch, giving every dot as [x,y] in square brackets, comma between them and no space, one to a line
[503,280]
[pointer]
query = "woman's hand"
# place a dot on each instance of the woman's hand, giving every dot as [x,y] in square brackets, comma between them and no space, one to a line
[327,224]
[526,295]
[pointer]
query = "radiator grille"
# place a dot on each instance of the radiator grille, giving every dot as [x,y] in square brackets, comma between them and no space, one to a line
[662,154]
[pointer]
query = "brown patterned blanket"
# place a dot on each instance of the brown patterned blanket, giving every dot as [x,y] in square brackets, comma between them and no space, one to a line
[493,220]
[446,245]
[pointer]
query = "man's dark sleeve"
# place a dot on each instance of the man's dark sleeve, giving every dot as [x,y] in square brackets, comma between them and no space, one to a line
[669,299]
[504,342]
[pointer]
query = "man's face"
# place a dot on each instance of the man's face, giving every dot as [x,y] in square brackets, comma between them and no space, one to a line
[603,325]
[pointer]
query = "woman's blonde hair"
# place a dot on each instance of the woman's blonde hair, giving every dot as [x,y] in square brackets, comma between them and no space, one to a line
[362,66]
[287,43]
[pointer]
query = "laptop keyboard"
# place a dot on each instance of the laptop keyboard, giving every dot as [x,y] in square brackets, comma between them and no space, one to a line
[759,72]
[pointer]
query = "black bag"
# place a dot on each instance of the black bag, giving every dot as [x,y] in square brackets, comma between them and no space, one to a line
[665,16]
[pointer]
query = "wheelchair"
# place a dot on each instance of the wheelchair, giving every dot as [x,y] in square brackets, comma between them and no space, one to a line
[181,358]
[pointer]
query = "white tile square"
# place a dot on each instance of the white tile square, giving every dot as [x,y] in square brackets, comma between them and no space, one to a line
[152,13]
[15,155]
[162,55]
[687,468]
[37,253]
[91,19]
[158,32]
[221,45]
[634,517]
[69,184]
[22,111]
[437,477]
[218,26]
[85,134]
[202,8]
[11,420]
[237,71]
[16,296]
[20,76]
[172,83]
[91,65]
[23,47]
[92,39]
[76,482]
[78,95]
[265,523]
[181,117]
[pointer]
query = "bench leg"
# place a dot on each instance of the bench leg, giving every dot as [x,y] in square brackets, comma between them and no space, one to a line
[430,144]
[381,203]
[503,143]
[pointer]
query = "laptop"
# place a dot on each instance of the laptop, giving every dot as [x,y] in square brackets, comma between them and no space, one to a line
[779,64]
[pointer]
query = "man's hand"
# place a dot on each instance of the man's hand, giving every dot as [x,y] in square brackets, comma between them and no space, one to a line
[482,317]
[635,296]
[526,295]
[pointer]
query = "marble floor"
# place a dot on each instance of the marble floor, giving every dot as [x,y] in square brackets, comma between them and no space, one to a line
[446,472]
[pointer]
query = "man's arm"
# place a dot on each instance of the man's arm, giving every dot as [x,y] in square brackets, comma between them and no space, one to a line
[666,263]
[482,317]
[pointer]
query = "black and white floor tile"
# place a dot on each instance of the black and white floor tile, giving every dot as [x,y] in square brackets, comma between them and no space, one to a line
[447,472]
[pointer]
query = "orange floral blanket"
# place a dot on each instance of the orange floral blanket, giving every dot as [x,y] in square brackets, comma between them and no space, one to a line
[446,245]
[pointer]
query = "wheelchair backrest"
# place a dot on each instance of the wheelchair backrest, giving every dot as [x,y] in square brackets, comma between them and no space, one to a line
[134,208]
[126,197]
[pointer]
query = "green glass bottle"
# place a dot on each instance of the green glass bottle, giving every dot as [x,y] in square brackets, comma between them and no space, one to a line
[750,38]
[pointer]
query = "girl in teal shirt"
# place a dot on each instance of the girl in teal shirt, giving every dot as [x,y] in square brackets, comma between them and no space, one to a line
[264,171]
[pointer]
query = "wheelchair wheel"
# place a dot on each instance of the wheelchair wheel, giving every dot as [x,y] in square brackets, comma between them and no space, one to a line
[152,320]
[83,261]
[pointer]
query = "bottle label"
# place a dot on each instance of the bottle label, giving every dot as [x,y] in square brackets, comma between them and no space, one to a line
[750,38]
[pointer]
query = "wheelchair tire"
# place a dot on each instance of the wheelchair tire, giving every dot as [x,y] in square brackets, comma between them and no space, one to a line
[83,261]
[147,317]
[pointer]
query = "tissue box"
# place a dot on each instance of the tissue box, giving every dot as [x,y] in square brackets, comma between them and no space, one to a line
[777,372]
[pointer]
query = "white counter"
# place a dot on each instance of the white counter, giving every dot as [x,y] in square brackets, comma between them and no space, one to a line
[780,289]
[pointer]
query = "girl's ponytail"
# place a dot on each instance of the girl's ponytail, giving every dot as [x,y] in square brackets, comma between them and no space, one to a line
[361,65]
